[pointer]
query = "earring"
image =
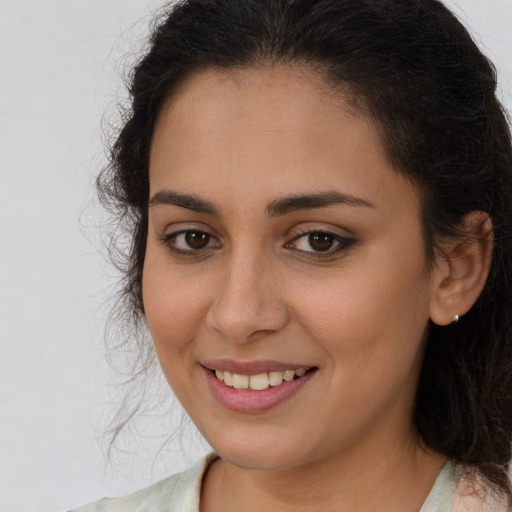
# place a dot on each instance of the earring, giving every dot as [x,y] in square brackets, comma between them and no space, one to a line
[455,319]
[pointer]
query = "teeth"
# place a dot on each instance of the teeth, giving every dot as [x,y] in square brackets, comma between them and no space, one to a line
[258,382]
[240,381]
[288,375]
[275,378]
[228,379]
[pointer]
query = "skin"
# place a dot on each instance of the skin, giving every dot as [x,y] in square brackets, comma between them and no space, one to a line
[259,290]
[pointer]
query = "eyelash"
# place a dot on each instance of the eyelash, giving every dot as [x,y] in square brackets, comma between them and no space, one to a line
[343,243]
[169,241]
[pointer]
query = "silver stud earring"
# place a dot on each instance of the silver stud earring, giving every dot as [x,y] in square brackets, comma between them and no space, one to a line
[455,319]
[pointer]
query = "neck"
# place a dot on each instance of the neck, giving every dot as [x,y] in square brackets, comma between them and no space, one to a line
[388,476]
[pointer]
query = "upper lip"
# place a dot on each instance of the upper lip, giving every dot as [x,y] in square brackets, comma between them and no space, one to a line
[252,367]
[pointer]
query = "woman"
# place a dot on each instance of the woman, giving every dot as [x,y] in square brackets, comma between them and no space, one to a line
[319,195]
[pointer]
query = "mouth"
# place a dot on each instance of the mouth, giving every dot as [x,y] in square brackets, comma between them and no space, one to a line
[260,381]
[248,388]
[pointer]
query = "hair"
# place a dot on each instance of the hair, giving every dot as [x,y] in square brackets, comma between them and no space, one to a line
[413,68]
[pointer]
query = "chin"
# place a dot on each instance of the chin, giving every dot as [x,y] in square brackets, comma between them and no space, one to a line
[270,453]
[257,460]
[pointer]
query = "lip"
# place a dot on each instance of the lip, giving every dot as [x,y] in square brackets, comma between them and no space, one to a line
[252,367]
[251,401]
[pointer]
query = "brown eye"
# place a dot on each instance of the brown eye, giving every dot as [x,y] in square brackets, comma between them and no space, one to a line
[197,239]
[321,241]
[190,242]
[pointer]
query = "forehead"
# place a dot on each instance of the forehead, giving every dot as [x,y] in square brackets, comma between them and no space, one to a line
[275,127]
[263,89]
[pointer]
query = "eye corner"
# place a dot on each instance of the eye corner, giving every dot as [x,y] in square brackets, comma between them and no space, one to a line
[328,243]
[189,242]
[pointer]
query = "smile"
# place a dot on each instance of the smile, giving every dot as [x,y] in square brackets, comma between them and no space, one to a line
[248,388]
[260,381]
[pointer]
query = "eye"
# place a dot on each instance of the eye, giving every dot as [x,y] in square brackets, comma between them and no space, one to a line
[320,243]
[190,241]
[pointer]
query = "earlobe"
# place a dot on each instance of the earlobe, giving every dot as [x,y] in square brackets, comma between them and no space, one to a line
[462,269]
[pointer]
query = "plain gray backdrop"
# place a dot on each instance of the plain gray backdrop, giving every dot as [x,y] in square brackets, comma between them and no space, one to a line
[60,68]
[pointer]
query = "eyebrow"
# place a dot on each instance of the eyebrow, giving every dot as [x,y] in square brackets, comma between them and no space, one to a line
[275,208]
[187,201]
[295,203]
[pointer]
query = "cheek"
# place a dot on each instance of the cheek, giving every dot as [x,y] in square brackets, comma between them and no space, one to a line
[367,318]
[371,333]
[173,305]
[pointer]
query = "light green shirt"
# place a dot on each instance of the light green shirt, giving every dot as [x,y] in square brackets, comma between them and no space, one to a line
[180,493]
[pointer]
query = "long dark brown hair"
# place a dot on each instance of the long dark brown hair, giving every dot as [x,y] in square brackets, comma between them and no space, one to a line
[412,67]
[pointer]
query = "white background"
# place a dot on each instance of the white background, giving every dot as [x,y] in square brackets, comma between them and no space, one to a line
[60,67]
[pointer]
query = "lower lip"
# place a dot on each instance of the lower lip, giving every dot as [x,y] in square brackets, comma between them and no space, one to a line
[250,401]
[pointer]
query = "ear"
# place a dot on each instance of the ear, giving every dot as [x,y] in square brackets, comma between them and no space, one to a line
[462,269]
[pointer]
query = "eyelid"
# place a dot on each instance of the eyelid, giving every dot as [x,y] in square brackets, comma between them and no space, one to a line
[169,237]
[344,242]
[341,242]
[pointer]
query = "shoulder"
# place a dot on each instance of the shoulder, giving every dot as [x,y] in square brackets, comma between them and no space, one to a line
[474,494]
[155,497]
[178,492]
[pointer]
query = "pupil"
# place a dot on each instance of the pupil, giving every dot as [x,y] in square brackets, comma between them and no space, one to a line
[197,239]
[320,241]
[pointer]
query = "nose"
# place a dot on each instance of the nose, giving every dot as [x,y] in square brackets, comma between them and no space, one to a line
[247,305]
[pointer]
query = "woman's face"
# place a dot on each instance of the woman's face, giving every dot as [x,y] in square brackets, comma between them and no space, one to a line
[281,238]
